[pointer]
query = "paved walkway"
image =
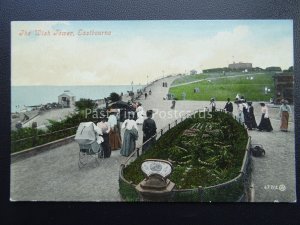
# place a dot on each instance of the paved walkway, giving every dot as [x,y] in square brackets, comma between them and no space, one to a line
[54,175]
[274,176]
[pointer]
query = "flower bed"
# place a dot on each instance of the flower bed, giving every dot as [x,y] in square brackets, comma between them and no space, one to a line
[204,152]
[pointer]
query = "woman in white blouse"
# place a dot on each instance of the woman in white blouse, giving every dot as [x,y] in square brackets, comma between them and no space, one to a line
[265,123]
[114,137]
[140,114]
[130,136]
[240,115]
[285,111]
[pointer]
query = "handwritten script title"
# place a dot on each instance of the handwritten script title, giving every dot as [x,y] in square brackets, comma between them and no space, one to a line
[63,33]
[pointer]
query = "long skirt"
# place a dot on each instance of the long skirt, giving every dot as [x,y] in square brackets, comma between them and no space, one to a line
[140,118]
[105,145]
[250,122]
[114,139]
[240,117]
[128,143]
[119,130]
[284,121]
[265,124]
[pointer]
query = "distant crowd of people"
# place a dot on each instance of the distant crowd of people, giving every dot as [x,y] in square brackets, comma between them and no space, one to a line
[245,114]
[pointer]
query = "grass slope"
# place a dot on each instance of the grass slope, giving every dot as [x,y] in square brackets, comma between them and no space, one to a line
[222,88]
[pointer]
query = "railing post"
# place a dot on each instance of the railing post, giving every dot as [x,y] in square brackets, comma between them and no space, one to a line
[176,122]
[34,137]
[169,126]
[138,152]
[161,132]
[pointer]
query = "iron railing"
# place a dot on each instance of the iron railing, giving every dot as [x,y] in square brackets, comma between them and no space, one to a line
[39,139]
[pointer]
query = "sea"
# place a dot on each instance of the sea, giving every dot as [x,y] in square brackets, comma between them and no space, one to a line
[22,96]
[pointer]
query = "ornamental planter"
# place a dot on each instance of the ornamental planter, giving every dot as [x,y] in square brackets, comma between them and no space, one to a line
[209,154]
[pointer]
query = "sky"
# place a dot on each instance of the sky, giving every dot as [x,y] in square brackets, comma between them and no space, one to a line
[121,52]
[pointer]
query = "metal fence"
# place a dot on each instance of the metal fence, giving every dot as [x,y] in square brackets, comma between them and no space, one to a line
[38,139]
[234,190]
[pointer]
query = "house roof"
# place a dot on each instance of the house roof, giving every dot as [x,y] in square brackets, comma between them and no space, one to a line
[68,93]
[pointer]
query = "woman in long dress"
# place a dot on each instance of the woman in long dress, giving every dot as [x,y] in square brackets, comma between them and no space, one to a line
[140,114]
[265,123]
[130,136]
[246,114]
[114,137]
[103,125]
[285,111]
[240,115]
[251,118]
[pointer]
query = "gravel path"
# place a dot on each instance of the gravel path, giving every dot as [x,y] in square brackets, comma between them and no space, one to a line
[54,175]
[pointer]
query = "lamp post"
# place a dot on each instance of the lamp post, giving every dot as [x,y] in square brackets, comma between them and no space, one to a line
[132,86]
[147,79]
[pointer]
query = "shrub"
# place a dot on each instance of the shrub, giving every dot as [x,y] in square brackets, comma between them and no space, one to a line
[84,104]
[114,97]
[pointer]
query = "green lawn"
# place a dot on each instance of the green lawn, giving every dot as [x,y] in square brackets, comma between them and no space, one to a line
[223,88]
[191,78]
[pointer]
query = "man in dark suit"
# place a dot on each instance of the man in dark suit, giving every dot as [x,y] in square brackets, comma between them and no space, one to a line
[149,130]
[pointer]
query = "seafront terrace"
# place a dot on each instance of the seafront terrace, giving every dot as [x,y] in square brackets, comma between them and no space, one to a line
[54,174]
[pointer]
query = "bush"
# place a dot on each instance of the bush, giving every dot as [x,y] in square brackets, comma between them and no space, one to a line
[114,97]
[273,68]
[32,136]
[84,104]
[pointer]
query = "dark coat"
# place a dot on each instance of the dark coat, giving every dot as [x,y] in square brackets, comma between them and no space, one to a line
[149,130]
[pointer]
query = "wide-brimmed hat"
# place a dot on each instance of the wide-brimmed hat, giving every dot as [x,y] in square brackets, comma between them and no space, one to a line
[113,111]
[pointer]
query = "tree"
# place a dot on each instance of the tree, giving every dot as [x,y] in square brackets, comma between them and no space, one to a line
[273,68]
[114,97]
[84,104]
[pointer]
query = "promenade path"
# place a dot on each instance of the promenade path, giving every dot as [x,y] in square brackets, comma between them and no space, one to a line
[54,175]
